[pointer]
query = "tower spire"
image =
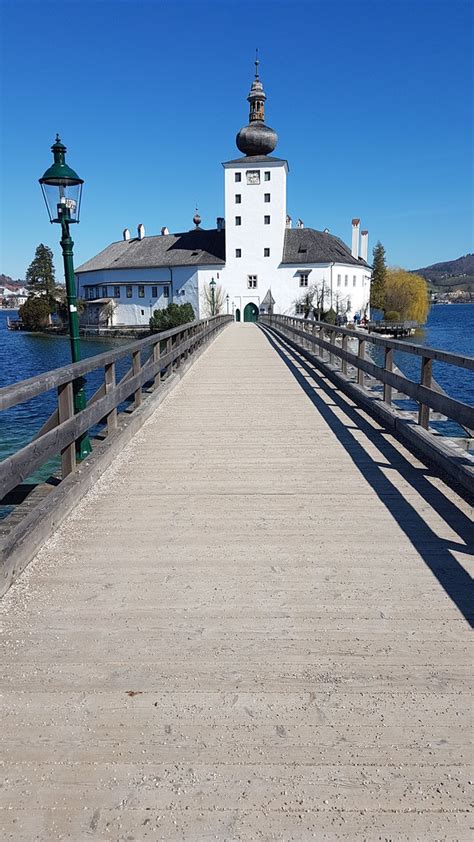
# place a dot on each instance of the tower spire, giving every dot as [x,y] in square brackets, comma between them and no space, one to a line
[256,62]
[257,96]
[256,138]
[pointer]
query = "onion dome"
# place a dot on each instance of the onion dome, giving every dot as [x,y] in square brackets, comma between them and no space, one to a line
[256,138]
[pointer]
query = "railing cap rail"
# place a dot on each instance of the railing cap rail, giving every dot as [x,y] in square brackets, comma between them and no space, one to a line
[25,390]
[461,360]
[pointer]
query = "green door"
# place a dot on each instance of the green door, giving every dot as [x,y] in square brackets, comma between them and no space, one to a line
[251,313]
[237,315]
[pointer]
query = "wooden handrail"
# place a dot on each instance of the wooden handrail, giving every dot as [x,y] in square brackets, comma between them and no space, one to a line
[60,433]
[424,393]
[33,386]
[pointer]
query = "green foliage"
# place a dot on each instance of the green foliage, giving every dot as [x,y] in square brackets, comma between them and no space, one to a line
[40,274]
[392,316]
[379,275]
[173,316]
[329,317]
[35,313]
[407,294]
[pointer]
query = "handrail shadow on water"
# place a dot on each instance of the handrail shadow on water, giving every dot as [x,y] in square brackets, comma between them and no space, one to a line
[435,551]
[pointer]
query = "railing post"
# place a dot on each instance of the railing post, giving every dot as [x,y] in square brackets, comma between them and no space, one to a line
[361,355]
[332,339]
[388,365]
[109,379]
[65,412]
[425,380]
[136,365]
[156,359]
[345,344]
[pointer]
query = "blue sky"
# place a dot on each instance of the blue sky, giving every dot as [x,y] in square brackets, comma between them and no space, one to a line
[372,102]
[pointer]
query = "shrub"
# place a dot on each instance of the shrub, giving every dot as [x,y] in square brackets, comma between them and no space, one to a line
[35,313]
[330,317]
[392,316]
[173,316]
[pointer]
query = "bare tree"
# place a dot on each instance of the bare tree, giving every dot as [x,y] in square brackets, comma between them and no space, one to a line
[212,302]
[313,299]
[107,313]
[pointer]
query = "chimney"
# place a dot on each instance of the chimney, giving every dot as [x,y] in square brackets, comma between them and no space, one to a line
[289,221]
[141,231]
[220,223]
[364,245]
[299,223]
[126,234]
[164,231]
[355,238]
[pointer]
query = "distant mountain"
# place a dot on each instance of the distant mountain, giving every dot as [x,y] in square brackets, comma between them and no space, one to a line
[6,281]
[452,274]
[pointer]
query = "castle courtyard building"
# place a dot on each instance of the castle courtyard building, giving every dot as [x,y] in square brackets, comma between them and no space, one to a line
[260,261]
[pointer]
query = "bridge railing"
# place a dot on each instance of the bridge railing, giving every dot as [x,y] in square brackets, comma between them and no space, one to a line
[331,345]
[152,360]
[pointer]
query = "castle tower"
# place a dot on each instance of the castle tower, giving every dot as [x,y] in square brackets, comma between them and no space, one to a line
[255,204]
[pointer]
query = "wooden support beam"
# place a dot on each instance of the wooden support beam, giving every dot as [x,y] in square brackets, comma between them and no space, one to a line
[425,380]
[109,386]
[136,366]
[388,365]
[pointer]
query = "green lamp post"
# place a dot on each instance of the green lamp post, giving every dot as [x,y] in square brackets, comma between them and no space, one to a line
[62,191]
[212,284]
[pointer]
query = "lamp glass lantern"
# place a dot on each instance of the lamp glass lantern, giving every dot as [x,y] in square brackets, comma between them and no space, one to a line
[62,187]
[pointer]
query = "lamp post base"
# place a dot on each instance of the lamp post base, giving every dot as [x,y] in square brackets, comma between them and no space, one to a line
[83,444]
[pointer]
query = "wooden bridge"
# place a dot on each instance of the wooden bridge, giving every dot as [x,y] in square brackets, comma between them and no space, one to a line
[252,622]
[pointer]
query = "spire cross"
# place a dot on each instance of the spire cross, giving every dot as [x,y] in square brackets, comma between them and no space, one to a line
[256,63]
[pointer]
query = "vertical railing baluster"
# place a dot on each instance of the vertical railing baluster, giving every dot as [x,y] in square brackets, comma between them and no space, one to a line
[345,344]
[109,379]
[156,359]
[137,366]
[425,380]
[65,412]
[361,356]
[388,365]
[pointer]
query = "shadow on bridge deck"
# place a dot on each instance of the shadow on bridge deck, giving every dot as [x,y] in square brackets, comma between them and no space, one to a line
[436,552]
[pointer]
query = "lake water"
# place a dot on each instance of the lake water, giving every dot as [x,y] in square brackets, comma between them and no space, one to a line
[22,355]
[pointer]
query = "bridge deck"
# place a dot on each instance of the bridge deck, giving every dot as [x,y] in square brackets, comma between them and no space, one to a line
[252,628]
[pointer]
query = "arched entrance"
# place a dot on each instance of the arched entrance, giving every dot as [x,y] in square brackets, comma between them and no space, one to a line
[237,315]
[251,313]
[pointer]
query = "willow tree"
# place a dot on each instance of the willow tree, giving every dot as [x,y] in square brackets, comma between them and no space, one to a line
[406,294]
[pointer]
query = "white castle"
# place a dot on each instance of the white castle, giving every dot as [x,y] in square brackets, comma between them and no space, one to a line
[257,259]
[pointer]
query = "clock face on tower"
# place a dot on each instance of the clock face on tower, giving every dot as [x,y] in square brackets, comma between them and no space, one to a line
[253,176]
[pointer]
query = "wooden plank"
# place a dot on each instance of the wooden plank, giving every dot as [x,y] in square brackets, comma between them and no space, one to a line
[426,380]
[109,384]
[388,362]
[137,367]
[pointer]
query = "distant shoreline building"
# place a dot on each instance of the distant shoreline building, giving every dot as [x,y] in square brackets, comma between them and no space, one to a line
[255,254]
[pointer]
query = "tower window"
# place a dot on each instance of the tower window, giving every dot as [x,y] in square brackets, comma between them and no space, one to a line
[266,175]
[129,291]
[266,252]
[304,279]
[141,291]
[266,220]
[238,220]
[238,252]
[238,198]
[238,176]
[252,281]
[266,197]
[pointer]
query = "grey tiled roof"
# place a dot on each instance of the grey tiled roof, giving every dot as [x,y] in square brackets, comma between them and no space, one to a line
[192,248]
[306,245]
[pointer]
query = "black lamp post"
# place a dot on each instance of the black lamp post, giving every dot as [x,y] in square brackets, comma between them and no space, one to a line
[62,191]
[212,284]
[227,301]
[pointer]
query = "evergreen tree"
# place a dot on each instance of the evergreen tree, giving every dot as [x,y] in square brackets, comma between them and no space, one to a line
[40,275]
[379,275]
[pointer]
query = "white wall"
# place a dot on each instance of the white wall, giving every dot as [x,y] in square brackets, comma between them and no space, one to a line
[253,235]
